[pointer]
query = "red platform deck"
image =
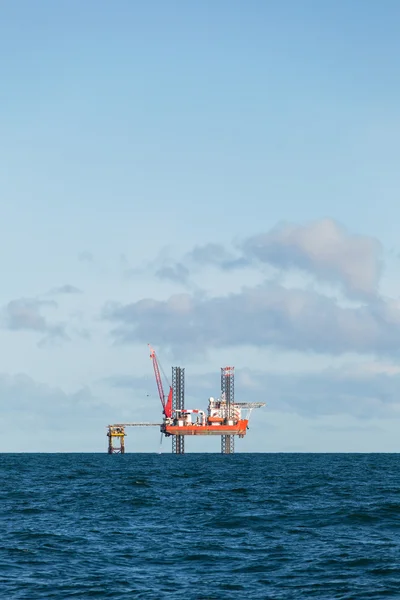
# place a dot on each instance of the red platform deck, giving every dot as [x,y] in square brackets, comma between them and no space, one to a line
[238,429]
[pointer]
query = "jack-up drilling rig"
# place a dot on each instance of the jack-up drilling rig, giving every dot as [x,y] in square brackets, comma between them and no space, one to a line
[224,415]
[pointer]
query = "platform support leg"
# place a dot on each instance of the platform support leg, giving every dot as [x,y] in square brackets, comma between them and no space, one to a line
[178,444]
[178,404]
[227,444]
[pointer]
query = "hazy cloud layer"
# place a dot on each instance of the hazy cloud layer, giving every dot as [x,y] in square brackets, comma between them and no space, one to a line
[267,315]
[213,254]
[65,289]
[199,257]
[26,314]
[21,393]
[85,256]
[32,314]
[323,249]
[50,419]
[176,272]
[328,392]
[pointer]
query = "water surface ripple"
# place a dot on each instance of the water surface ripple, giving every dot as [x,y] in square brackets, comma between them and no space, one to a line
[200,526]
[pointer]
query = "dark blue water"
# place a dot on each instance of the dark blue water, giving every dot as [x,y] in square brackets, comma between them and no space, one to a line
[199,526]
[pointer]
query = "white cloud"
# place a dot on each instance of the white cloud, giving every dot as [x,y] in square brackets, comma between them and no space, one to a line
[325,249]
[268,315]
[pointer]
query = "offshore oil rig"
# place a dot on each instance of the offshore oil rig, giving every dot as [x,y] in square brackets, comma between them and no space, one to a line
[223,417]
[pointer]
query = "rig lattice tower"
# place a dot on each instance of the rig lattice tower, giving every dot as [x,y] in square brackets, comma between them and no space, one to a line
[228,394]
[178,404]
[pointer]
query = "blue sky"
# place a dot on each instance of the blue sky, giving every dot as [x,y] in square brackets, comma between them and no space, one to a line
[219,179]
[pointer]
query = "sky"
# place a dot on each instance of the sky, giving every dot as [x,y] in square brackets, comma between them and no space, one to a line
[219,179]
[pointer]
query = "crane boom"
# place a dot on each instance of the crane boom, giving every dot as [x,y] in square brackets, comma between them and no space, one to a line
[167,405]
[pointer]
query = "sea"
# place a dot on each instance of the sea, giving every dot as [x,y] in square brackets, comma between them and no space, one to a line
[199,526]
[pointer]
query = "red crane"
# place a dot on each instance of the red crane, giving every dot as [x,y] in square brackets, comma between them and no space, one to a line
[167,405]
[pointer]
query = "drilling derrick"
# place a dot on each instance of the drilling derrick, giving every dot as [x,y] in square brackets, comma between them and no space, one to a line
[228,395]
[178,406]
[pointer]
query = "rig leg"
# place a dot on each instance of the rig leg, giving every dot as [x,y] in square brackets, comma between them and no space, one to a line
[118,434]
[110,444]
[178,404]
[227,444]
[178,444]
